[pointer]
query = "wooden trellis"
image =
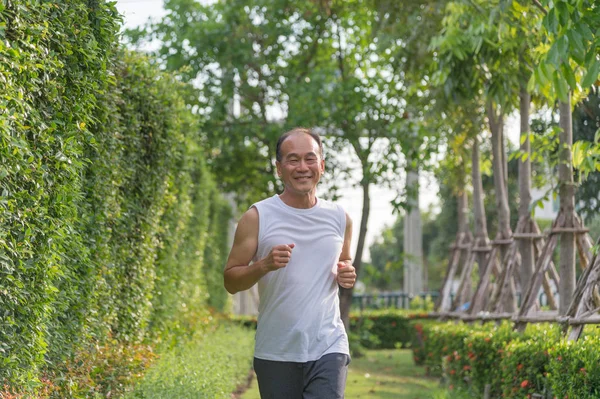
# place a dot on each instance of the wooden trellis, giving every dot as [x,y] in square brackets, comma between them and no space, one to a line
[460,245]
[463,293]
[586,299]
[585,304]
[479,299]
[527,229]
[527,312]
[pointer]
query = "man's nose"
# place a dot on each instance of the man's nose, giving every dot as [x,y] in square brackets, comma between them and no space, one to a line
[303,165]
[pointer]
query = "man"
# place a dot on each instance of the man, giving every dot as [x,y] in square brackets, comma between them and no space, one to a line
[297,248]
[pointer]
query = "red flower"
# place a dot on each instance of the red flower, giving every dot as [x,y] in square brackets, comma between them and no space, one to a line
[393,324]
[524,384]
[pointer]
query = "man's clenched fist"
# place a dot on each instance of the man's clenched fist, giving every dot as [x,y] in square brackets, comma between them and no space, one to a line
[279,256]
[346,276]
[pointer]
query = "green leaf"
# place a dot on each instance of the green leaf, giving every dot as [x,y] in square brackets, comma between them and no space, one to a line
[550,22]
[531,83]
[561,87]
[577,46]
[592,74]
[563,13]
[584,30]
[552,56]
[579,151]
[546,70]
[563,47]
[569,75]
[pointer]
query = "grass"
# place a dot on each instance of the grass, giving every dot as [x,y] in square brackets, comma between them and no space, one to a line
[210,365]
[382,374]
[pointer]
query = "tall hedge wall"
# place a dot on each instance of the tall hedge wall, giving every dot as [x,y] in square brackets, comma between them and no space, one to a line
[107,210]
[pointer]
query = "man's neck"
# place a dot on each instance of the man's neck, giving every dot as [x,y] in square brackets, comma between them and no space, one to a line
[301,201]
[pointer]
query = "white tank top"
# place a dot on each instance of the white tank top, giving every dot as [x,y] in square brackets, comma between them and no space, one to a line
[298,314]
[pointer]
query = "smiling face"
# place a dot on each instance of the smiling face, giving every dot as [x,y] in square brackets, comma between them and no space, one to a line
[301,164]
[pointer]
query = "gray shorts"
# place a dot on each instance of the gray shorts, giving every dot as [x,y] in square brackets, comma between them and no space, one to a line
[323,379]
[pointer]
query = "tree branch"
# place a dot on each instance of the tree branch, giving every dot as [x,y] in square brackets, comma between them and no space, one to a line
[540,6]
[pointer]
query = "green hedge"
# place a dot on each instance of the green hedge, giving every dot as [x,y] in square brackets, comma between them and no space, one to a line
[53,63]
[384,329]
[574,368]
[373,329]
[110,222]
[538,361]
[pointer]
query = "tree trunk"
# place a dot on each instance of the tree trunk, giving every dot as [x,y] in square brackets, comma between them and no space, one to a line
[413,239]
[463,211]
[496,127]
[346,293]
[525,245]
[481,233]
[499,168]
[463,227]
[567,207]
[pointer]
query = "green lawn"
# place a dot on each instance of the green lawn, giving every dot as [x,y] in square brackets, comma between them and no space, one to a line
[382,374]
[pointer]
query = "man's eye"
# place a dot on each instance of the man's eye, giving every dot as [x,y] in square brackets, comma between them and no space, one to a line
[293,161]
[311,160]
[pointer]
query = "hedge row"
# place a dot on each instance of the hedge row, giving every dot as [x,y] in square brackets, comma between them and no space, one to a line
[371,329]
[105,201]
[539,361]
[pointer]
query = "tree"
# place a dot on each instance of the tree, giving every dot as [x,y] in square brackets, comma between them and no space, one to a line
[375,98]
[319,63]
[474,64]
[385,271]
[586,124]
[247,59]
[569,60]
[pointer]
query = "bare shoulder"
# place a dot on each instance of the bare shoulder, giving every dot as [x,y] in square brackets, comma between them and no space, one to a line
[245,241]
[248,223]
[250,216]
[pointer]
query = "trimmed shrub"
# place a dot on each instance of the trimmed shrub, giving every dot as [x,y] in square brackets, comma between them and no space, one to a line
[444,350]
[112,231]
[54,60]
[386,329]
[485,348]
[574,368]
[538,361]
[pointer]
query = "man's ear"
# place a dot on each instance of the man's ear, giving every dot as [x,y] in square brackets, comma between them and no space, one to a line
[278,166]
[322,166]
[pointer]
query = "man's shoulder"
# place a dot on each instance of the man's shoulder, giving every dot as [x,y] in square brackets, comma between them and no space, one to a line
[250,216]
[330,205]
[265,201]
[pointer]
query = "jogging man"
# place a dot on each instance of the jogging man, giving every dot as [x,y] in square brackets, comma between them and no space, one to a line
[297,248]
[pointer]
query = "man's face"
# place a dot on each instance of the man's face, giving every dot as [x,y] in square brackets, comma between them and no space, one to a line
[301,163]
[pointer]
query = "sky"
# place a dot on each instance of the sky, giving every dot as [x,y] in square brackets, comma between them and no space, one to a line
[137,12]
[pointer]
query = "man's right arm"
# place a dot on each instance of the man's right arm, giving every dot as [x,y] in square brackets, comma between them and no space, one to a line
[239,273]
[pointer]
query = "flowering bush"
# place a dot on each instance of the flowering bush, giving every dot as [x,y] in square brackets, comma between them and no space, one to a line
[574,368]
[514,365]
[485,349]
[524,363]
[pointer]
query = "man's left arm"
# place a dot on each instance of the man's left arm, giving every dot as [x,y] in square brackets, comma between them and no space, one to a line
[346,276]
